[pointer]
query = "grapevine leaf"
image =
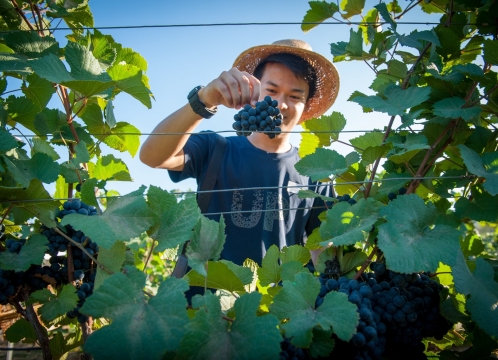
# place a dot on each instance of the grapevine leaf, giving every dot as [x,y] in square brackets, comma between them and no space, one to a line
[372,153]
[319,12]
[321,164]
[491,52]
[30,44]
[88,192]
[481,208]
[20,330]
[409,148]
[132,58]
[295,253]
[51,68]
[7,141]
[219,276]
[84,65]
[129,79]
[112,260]
[346,224]
[269,272]
[160,321]
[39,90]
[382,9]
[44,147]
[126,217]
[352,260]
[49,121]
[14,63]
[482,292]
[452,108]
[296,302]
[290,269]
[413,40]
[76,14]
[249,336]
[326,127]
[124,137]
[245,274]
[160,200]
[55,305]
[371,139]
[82,154]
[475,165]
[22,110]
[352,7]
[391,185]
[409,240]
[206,243]
[93,119]
[397,100]
[322,344]
[397,68]
[176,220]
[40,166]
[110,119]
[31,253]
[25,208]
[304,194]
[109,168]
[309,143]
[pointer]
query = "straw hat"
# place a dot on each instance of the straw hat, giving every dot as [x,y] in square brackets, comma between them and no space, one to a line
[327,77]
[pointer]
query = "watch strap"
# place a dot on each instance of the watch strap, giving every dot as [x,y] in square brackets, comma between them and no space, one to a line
[197,106]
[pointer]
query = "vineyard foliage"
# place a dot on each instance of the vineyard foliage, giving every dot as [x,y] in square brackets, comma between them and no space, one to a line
[439,85]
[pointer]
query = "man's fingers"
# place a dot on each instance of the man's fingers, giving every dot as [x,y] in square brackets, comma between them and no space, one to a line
[255,88]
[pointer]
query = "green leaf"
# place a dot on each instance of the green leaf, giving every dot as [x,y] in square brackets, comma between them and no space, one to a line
[94,121]
[291,269]
[397,100]
[22,110]
[346,224]
[160,321]
[475,165]
[481,208]
[321,164]
[322,344]
[14,63]
[269,272]
[382,9]
[244,273]
[175,220]
[112,260]
[370,139]
[206,243]
[491,51]
[248,337]
[110,119]
[452,108]
[7,141]
[413,144]
[88,192]
[319,12]
[295,253]
[220,275]
[354,49]
[128,78]
[372,153]
[76,14]
[39,90]
[49,121]
[41,166]
[51,68]
[55,305]
[20,330]
[397,68]
[309,143]
[24,206]
[296,303]
[131,57]
[31,253]
[44,147]
[326,127]
[352,7]
[126,217]
[417,39]
[388,185]
[30,44]
[84,65]
[109,168]
[123,137]
[352,260]
[481,291]
[409,240]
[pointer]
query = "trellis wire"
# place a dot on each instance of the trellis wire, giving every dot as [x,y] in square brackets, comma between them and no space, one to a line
[261,188]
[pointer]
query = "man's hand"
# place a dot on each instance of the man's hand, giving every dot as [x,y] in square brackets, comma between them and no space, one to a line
[233,89]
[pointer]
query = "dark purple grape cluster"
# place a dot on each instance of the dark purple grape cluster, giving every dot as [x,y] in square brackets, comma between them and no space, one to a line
[264,117]
[392,195]
[396,312]
[342,198]
[290,352]
[84,290]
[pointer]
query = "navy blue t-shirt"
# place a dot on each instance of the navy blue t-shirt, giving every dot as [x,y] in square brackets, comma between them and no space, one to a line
[271,213]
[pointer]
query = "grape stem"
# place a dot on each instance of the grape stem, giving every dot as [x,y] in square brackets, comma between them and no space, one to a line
[82,248]
[366,263]
[149,255]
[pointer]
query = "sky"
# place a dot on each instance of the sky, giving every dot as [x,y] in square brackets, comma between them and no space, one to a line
[182,58]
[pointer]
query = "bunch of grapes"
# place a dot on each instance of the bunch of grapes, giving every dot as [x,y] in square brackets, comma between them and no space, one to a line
[396,312]
[392,195]
[290,352]
[85,289]
[265,117]
[342,198]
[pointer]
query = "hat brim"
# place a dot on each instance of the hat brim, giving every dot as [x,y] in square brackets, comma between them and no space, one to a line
[327,83]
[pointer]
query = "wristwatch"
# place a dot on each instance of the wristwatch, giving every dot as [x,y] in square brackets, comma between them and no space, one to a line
[198,107]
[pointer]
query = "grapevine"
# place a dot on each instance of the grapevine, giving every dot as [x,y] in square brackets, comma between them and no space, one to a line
[264,117]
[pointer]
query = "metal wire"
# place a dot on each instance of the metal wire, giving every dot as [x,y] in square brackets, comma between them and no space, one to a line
[262,188]
[261,210]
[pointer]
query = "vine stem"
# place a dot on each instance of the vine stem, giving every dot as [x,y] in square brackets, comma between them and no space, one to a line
[404,85]
[408,9]
[30,314]
[366,263]
[19,10]
[149,255]
[82,248]
[86,329]
[6,213]
[70,263]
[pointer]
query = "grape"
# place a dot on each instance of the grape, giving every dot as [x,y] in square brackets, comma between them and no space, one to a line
[391,196]
[402,191]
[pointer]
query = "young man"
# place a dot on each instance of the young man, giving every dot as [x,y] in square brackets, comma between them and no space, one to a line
[260,202]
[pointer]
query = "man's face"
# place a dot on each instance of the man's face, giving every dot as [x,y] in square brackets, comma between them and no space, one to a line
[290,92]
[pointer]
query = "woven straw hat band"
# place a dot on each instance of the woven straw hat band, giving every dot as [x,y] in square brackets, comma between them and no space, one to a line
[327,77]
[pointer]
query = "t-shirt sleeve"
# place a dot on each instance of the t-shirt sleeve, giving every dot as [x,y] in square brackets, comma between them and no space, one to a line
[198,150]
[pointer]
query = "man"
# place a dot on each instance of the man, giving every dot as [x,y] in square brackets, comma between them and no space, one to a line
[260,204]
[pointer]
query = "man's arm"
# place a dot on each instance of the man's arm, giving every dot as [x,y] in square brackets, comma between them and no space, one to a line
[232,89]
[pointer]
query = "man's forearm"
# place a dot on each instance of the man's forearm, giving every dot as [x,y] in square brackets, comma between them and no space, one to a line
[165,151]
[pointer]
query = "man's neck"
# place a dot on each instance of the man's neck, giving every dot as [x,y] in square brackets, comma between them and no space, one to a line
[280,144]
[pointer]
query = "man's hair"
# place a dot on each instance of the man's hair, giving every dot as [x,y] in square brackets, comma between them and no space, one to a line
[296,64]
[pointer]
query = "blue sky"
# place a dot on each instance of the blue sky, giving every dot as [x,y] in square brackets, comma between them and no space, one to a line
[181,58]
